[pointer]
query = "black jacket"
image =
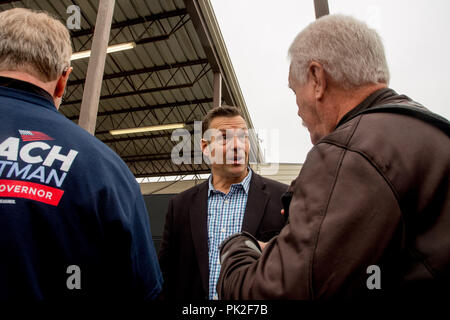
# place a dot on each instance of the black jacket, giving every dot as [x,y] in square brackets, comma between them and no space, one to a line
[183,255]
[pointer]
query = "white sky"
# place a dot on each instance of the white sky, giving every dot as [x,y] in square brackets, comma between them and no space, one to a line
[258,33]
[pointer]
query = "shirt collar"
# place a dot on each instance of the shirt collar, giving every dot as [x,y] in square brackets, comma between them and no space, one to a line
[245,183]
[373,99]
[25,86]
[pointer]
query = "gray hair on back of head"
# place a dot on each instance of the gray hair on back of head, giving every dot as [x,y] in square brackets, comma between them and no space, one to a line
[34,42]
[351,53]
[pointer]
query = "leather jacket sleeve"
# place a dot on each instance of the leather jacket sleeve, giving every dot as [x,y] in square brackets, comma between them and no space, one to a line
[342,217]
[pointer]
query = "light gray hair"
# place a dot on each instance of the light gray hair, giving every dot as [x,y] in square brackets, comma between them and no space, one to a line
[35,43]
[351,53]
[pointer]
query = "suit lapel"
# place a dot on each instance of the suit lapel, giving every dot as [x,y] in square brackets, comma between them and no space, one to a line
[198,212]
[256,204]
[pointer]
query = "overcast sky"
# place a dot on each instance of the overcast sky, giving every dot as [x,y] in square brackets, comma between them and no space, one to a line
[258,34]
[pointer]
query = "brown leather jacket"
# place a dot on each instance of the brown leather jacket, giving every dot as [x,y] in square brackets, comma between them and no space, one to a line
[373,192]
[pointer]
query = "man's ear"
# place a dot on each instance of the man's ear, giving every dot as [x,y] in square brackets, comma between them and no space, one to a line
[61,83]
[206,150]
[205,147]
[317,74]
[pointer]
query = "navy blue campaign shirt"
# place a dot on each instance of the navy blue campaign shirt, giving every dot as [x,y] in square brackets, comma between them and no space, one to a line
[73,223]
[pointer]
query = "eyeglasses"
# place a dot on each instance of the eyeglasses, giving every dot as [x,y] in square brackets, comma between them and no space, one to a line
[228,137]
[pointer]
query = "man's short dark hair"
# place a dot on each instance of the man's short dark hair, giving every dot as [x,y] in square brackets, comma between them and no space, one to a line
[222,111]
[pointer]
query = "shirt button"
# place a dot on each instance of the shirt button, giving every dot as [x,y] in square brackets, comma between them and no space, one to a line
[226,201]
[223,230]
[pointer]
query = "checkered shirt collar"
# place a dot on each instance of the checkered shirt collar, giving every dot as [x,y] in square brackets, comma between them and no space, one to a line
[245,183]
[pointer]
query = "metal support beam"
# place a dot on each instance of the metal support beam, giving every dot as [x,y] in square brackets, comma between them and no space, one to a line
[125,94]
[152,39]
[203,18]
[92,88]
[150,107]
[144,70]
[173,173]
[155,156]
[321,8]
[217,98]
[201,28]
[131,22]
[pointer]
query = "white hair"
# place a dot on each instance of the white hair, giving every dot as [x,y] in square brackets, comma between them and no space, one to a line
[351,53]
[34,42]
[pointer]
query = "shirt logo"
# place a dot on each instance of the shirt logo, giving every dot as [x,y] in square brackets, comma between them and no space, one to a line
[27,169]
[30,190]
[28,135]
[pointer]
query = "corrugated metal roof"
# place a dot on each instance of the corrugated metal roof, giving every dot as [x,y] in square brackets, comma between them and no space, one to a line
[166,78]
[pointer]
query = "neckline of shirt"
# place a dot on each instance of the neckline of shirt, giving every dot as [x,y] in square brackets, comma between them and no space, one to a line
[245,184]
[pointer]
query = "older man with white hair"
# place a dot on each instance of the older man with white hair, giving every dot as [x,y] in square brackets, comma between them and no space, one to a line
[369,213]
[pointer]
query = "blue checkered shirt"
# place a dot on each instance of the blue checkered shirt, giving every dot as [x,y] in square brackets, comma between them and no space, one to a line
[225,216]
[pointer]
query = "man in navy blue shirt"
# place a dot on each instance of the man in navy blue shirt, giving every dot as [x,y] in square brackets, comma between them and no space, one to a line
[73,223]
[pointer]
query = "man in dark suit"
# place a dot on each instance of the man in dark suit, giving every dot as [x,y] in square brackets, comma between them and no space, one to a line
[233,199]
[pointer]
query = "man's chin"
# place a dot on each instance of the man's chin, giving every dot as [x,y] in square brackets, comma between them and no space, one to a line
[314,138]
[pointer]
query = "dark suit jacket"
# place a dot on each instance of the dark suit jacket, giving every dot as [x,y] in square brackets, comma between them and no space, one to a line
[183,255]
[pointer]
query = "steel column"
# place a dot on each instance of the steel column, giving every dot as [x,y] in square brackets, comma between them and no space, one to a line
[217,98]
[321,8]
[96,66]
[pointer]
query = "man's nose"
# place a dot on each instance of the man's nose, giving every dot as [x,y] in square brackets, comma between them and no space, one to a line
[238,143]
